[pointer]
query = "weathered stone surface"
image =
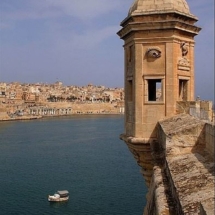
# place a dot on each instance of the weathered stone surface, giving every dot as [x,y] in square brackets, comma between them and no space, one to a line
[183,134]
[193,176]
[190,166]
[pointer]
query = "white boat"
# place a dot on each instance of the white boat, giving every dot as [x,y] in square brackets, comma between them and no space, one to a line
[59,196]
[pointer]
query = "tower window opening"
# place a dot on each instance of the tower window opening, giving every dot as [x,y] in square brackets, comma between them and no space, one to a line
[154,89]
[183,90]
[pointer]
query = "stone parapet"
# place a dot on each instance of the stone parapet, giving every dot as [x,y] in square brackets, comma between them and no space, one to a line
[178,166]
[189,165]
[209,139]
[200,109]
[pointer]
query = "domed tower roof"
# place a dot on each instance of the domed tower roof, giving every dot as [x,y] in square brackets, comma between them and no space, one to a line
[141,7]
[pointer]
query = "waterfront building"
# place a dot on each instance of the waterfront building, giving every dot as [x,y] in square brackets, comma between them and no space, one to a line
[56,99]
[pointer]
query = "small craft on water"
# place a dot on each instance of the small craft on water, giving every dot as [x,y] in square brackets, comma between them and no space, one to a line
[59,196]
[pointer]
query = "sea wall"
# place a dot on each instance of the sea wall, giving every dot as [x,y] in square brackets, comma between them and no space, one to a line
[86,107]
[3,113]
[34,110]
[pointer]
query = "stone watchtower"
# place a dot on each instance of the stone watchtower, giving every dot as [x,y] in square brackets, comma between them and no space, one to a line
[159,69]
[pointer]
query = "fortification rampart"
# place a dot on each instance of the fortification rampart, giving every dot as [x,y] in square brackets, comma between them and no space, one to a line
[183,173]
[209,138]
[32,110]
[167,132]
[200,109]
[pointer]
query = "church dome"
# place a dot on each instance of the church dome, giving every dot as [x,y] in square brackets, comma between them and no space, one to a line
[141,7]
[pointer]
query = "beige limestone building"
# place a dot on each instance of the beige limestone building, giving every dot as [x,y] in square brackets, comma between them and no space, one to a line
[30,101]
[159,86]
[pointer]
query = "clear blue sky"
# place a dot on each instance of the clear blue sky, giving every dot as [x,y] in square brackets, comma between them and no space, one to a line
[75,41]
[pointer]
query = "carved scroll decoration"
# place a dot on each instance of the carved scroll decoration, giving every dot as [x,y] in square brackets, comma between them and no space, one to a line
[184,64]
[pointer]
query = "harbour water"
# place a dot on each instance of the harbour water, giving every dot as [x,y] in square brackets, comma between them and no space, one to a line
[82,154]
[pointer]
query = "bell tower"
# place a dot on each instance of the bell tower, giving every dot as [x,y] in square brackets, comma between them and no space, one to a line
[159,69]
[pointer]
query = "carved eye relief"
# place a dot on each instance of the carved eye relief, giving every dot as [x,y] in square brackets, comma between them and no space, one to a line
[153,53]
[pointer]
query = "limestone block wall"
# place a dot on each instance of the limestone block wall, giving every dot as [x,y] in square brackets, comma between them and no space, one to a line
[162,198]
[178,166]
[141,150]
[188,166]
[200,109]
[183,134]
[85,108]
[209,138]
[182,181]
[58,109]
[3,113]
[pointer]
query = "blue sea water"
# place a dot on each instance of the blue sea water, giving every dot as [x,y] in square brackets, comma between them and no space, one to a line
[82,154]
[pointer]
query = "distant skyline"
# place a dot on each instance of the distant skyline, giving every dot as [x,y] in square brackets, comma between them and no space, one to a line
[75,42]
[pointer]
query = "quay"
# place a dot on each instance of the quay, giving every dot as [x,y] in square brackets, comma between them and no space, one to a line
[33,101]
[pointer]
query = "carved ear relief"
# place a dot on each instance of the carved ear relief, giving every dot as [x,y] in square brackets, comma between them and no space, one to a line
[184,48]
[153,52]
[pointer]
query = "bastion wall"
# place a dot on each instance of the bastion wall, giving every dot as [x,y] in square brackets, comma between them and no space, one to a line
[183,173]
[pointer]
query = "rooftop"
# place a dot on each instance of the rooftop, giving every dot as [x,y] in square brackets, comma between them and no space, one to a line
[141,7]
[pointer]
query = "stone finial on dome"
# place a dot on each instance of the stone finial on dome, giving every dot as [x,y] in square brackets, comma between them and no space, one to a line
[140,7]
